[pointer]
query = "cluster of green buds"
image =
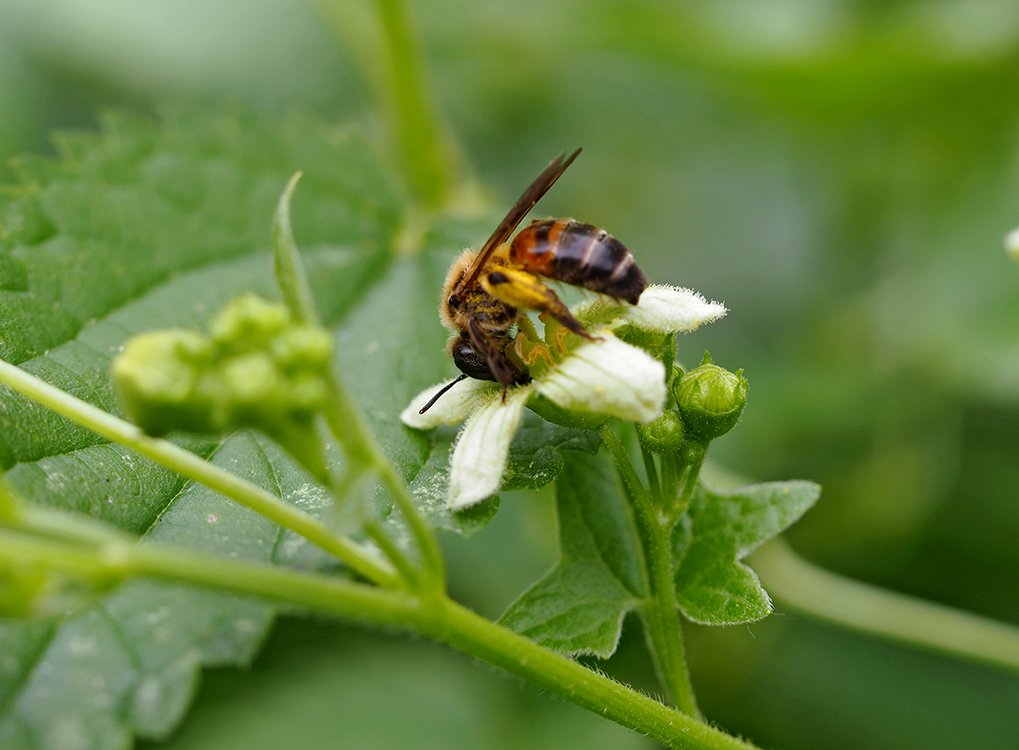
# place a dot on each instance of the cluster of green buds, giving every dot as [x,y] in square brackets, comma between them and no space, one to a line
[706,403]
[256,367]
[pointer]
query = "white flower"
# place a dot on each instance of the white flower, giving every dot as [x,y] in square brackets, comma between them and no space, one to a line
[662,309]
[606,376]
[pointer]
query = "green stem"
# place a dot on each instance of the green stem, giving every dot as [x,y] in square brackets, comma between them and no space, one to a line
[652,476]
[867,609]
[415,125]
[468,632]
[347,425]
[693,472]
[670,484]
[378,38]
[440,619]
[346,487]
[431,554]
[377,533]
[122,561]
[189,465]
[660,611]
[69,527]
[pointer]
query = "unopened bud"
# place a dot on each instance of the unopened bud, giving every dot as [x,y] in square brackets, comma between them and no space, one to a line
[157,377]
[248,322]
[663,435]
[710,399]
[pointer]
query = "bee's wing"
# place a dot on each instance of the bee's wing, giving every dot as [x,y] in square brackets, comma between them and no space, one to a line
[524,204]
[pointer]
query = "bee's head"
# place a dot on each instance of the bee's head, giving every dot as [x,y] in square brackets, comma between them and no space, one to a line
[469,360]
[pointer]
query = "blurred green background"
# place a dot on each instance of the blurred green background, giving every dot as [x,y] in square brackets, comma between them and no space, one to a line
[841,174]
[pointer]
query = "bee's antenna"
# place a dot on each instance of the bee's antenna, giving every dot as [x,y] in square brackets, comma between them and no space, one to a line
[435,398]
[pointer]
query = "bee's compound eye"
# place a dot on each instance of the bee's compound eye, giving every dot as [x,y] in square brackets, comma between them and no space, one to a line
[453,302]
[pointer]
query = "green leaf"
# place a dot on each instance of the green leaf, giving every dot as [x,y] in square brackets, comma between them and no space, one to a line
[143,227]
[579,606]
[535,456]
[535,459]
[720,529]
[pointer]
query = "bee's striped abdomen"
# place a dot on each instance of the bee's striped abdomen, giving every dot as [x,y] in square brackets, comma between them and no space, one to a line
[579,254]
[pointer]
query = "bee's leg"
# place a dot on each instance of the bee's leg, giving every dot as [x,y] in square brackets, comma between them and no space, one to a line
[523,290]
[494,350]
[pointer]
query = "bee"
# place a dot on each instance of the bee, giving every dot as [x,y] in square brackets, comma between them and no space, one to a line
[486,290]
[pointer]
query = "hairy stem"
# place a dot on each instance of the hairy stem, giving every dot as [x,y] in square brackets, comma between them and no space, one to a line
[438,618]
[468,632]
[189,465]
[660,611]
[670,485]
[867,609]
[652,477]
[692,474]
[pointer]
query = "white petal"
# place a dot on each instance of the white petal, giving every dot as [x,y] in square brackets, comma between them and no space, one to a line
[482,448]
[668,309]
[451,407]
[1012,244]
[608,377]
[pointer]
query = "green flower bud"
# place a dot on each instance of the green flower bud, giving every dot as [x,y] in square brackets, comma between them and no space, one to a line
[158,377]
[665,434]
[302,347]
[710,399]
[252,382]
[306,393]
[249,322]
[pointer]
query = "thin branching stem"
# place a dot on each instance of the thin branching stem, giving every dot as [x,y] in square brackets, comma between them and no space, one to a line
[198,469]
[377,533]
[347,425]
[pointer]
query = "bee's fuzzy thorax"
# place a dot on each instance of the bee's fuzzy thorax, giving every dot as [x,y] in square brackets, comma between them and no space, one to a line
[455,273]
